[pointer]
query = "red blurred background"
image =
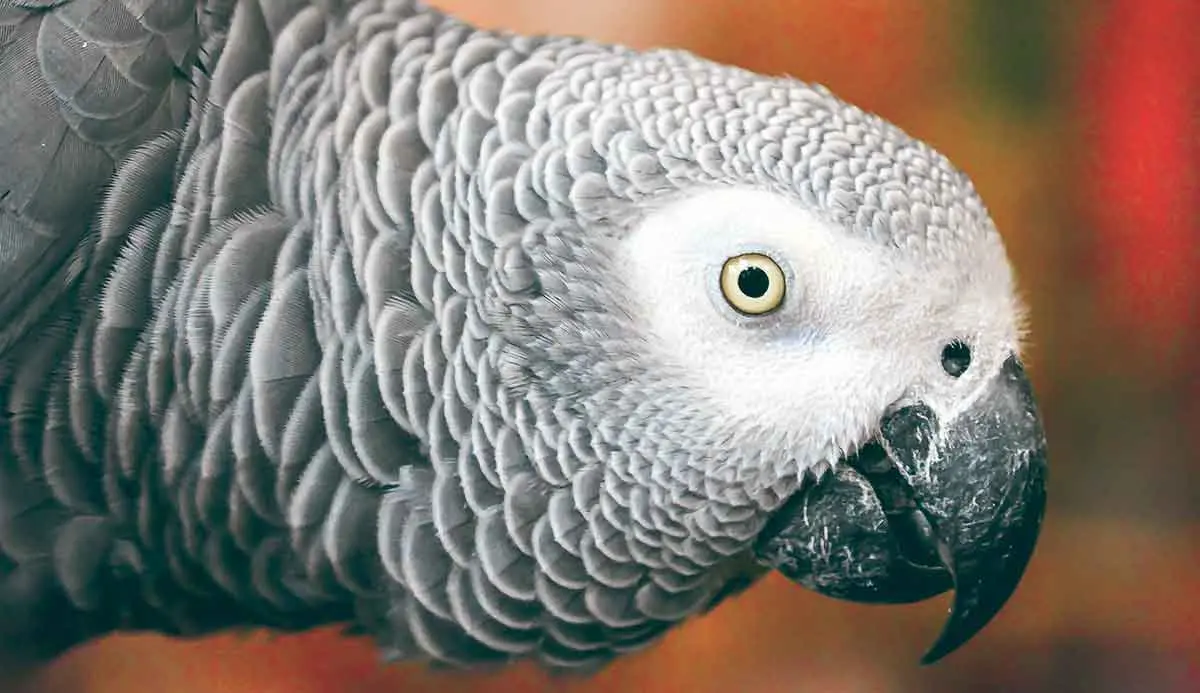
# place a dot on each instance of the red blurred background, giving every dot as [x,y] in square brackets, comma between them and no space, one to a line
[1079,121]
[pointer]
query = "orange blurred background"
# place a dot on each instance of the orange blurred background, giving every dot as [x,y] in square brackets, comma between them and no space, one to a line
[1080,123]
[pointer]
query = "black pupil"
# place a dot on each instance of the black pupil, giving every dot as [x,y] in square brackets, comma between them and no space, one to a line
[956,358]
[753,282]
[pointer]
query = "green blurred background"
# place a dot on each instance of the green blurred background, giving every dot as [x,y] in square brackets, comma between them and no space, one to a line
[1079,120]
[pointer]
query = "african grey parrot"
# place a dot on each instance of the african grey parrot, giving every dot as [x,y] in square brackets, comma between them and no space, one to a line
[486,346]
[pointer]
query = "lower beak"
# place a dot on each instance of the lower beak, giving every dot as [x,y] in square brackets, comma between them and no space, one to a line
[933,505]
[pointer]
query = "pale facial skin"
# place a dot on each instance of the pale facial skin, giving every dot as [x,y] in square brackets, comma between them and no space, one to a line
[861,326]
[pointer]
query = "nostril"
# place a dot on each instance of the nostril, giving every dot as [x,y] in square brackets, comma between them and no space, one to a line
[956,358]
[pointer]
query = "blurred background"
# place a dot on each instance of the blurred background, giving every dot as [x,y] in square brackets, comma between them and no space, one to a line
[1079,121]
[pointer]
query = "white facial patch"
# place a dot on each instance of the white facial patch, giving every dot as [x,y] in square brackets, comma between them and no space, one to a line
[850,337]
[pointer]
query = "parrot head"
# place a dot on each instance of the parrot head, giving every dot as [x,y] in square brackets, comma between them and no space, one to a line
[783,330]
[885,368]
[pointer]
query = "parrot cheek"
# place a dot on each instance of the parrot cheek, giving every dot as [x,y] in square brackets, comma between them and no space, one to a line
[928,507]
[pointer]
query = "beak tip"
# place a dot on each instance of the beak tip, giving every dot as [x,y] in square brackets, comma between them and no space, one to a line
[932,656]
[954,635]
[990,583]
[939,650]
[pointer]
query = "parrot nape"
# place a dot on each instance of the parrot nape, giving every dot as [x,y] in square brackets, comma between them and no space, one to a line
[484,346]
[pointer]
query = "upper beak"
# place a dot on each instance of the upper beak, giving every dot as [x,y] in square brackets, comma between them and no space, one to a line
[950,503]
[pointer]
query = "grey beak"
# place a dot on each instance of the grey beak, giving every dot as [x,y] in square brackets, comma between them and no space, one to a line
[934,505]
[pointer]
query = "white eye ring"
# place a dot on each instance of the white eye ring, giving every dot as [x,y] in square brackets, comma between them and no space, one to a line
[752,283]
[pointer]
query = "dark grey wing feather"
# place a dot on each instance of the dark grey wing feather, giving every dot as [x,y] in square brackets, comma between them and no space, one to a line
[84,82]
[88,86]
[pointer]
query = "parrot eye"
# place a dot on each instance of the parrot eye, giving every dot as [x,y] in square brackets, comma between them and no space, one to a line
[956,358]
[752,283]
